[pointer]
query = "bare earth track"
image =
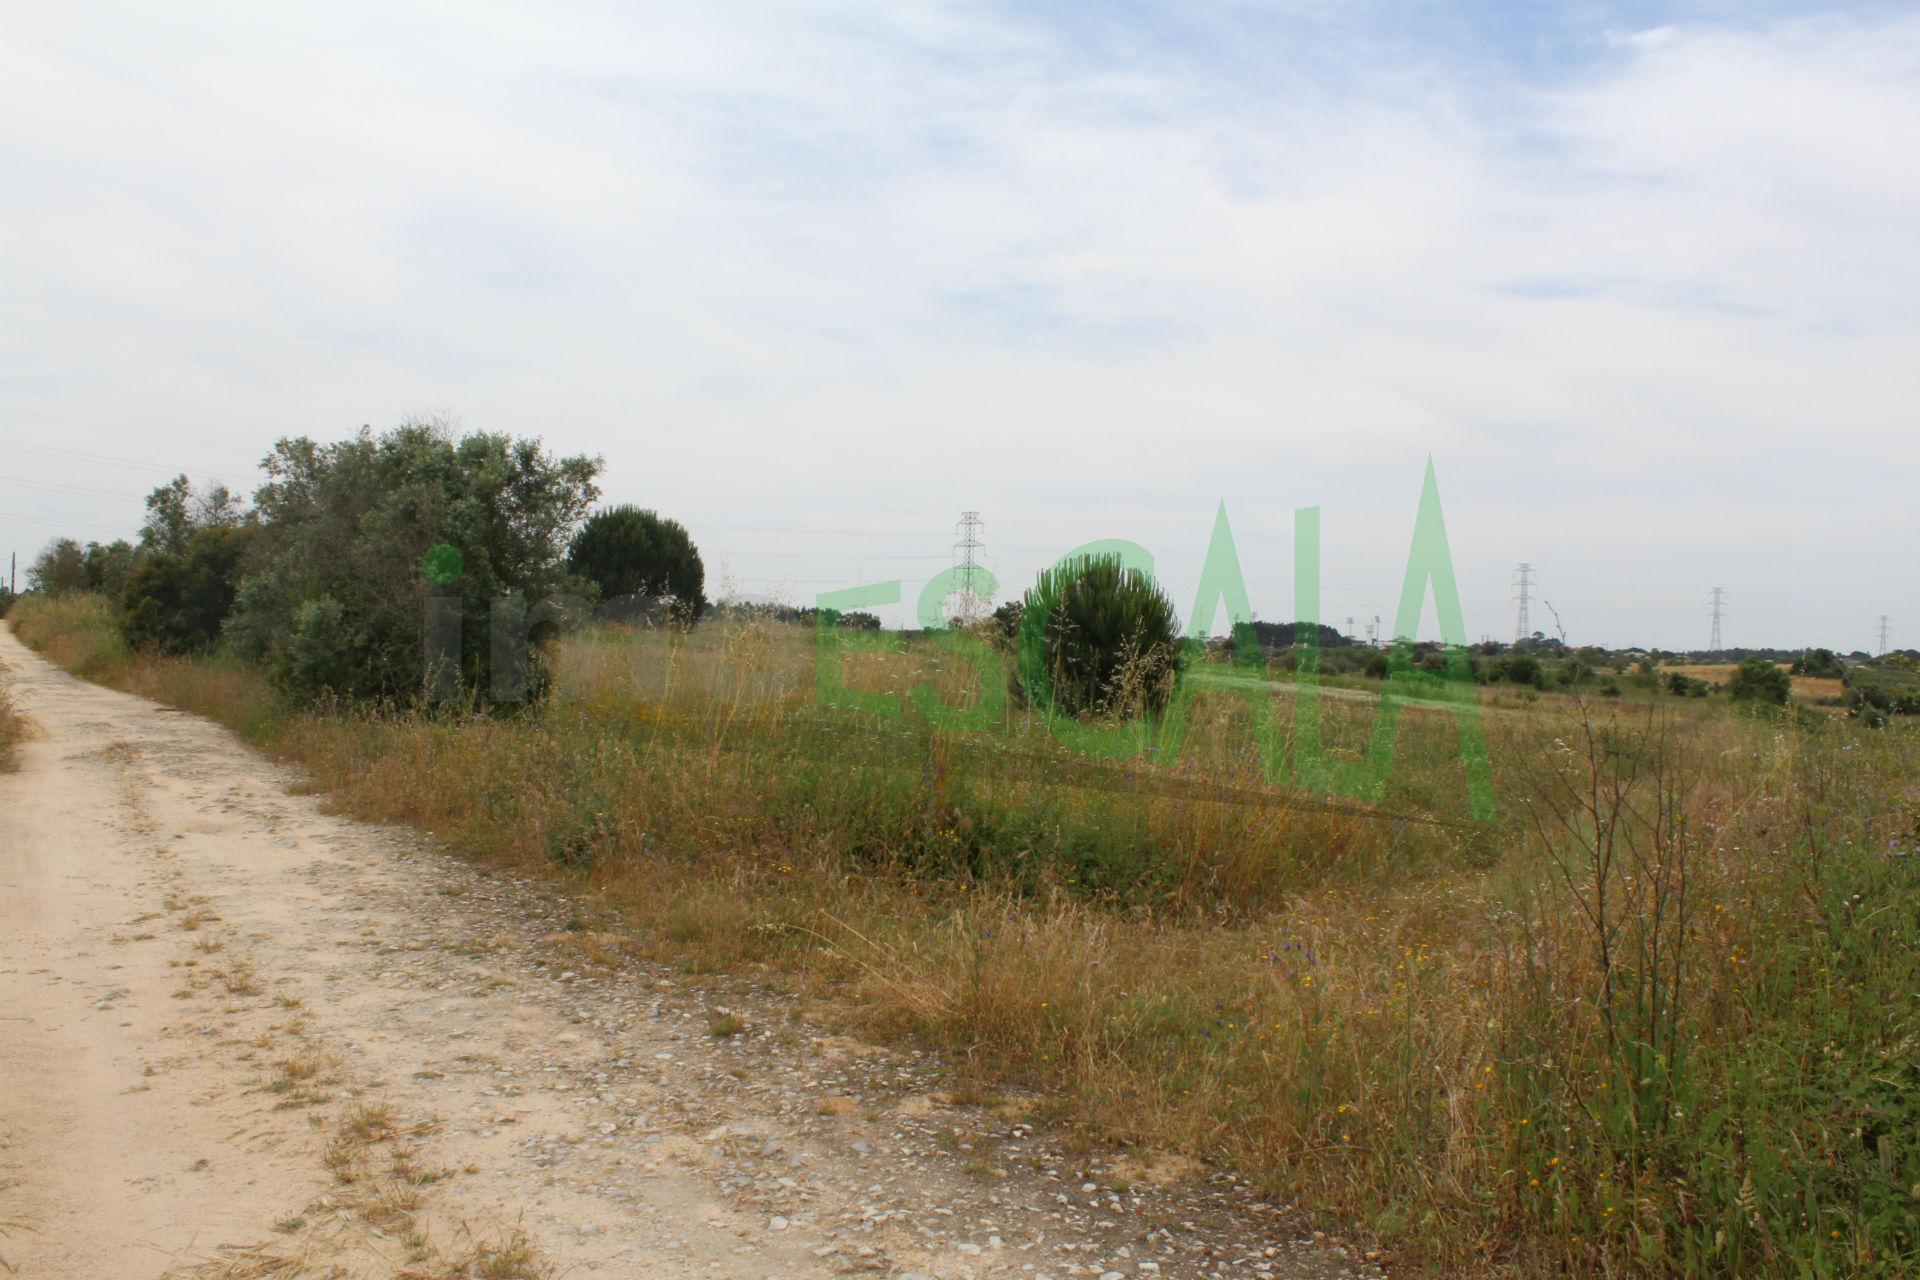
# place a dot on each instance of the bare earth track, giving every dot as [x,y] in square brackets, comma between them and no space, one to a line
[242,1036]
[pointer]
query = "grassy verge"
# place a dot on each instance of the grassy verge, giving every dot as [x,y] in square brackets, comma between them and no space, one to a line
[1660,1018]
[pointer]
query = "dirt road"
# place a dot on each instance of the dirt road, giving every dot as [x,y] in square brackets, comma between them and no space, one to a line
[242,1036]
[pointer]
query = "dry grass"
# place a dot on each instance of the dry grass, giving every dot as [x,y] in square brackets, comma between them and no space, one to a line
[511,1257]
[13,730]
[1807,689]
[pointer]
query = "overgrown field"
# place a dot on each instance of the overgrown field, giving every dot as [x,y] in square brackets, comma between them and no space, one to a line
[1660,1017]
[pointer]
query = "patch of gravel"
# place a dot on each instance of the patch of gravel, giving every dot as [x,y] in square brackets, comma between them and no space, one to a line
[794,1128]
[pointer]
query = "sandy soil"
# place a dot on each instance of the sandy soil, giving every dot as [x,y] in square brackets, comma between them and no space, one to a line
[242,1036]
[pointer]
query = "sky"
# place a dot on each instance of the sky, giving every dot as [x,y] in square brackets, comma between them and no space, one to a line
[1641,279]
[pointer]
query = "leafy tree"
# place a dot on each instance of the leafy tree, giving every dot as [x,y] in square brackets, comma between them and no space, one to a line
[626,551]
[177,603]
[61,568]
[1105,637]
[339,598]
[175,512]
[108,565]
[1757,680]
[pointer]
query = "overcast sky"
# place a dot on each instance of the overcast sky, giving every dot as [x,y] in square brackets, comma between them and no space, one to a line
[1643,279]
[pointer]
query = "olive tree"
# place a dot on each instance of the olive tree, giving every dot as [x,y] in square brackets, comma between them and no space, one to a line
[362,539]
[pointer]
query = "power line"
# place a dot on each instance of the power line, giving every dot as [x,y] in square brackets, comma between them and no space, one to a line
[63,524]
[1717,606]
[107,460]
[1523,592]
[54,486]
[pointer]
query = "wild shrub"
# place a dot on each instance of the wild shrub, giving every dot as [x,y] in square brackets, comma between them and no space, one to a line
[1681,685]
[13,729]
[1757,680]
[1522,669]
[177,602]
[1098,637]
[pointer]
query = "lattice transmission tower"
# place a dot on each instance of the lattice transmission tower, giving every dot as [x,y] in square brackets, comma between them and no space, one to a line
[1523,594]
[973,602]
[1716,606]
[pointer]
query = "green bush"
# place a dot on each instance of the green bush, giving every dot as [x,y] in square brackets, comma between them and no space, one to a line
[1522,668]
[322,653]
[177,602]
[1681,685]
[1757,680]
[1097,637]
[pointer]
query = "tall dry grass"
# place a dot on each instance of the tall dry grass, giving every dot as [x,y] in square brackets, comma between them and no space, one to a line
[1657,1019]
[13,729]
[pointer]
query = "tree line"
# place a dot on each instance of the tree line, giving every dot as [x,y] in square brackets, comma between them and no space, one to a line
[328,577]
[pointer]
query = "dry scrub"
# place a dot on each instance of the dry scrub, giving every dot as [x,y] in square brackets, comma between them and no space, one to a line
[13,729]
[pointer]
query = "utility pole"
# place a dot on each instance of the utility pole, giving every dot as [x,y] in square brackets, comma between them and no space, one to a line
[967,552]
[1523,592]
[1884,621]
[1717,604]
[1376,630]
